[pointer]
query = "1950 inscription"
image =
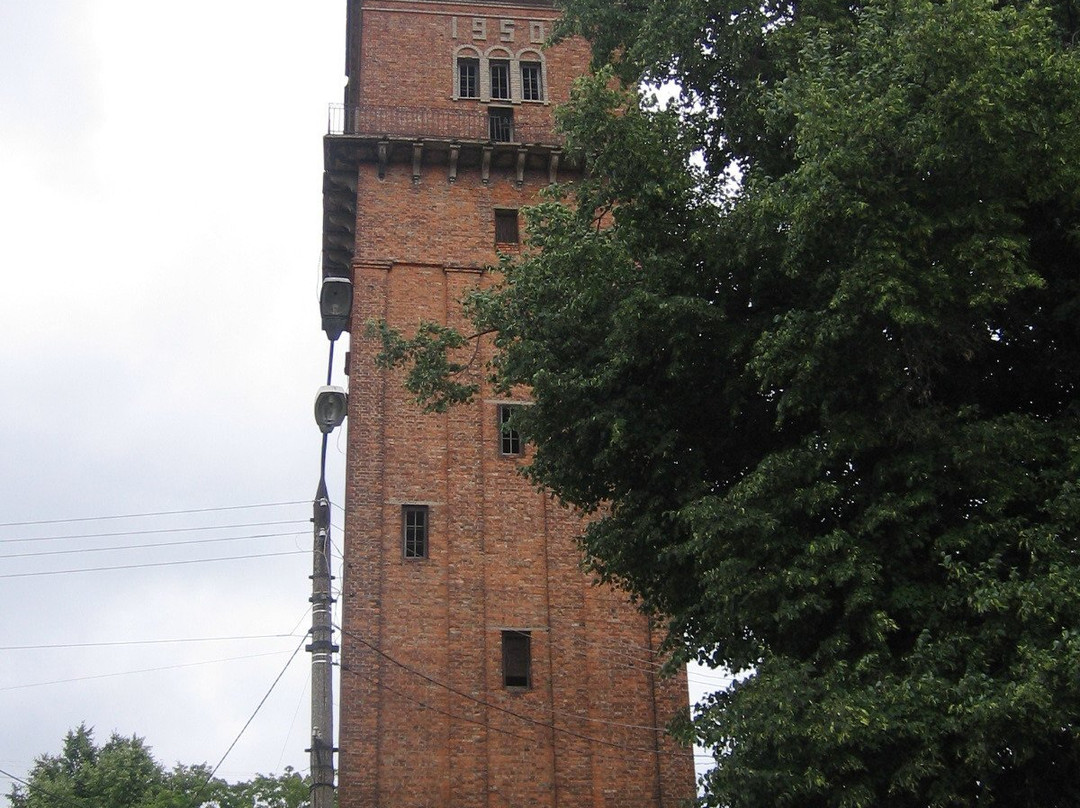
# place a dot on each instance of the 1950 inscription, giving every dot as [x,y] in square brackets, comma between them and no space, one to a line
[503,30]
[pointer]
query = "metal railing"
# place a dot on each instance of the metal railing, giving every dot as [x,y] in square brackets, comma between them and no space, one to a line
[424,122]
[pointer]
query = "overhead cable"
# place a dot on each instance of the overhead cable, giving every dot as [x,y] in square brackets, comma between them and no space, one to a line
[150,546]
[149,513]
[243,729]
[199,528]
[525,718]
[144,566]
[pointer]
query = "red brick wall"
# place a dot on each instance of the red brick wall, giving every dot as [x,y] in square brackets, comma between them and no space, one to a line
[425,720]
[406,54]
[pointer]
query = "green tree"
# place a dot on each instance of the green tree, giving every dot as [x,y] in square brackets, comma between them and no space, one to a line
[122,773]
[807,344]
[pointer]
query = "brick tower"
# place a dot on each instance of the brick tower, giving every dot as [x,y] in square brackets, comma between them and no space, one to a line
[480,666]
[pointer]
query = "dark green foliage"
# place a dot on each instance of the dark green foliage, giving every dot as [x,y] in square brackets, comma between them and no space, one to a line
[123,773]
[828,415]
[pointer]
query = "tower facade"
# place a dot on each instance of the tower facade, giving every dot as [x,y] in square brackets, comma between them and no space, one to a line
[480,666]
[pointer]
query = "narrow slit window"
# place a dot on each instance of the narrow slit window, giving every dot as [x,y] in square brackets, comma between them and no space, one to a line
[517,658]
[532,88]
[414,531]
[506,227]
[509,438]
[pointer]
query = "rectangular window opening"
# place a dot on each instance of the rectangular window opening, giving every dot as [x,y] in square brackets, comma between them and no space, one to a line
[532,88]
[509,438]
[468,75]
[506,227]
[500,79]
[500,124]
[516,658]
[414,531]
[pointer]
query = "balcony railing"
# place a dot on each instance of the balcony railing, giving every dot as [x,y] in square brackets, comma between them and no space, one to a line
[442,124]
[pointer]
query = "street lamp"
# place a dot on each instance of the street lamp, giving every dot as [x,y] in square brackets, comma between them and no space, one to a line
[335,305]
[331,406]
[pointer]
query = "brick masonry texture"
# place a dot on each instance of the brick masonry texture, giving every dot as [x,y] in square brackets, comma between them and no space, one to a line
[425,719]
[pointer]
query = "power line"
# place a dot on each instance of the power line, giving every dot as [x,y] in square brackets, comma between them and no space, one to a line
[150,513]
[292,724]
[151,546]
[47,792]
[142,670]
[210,776]
[305,613]
[440,711]
[151,532]
[153,564]
[527,719]
[111,644]
[492,728]
[243,729]
[719,679]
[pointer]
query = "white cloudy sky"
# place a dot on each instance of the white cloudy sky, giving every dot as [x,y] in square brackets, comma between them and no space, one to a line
[160,213]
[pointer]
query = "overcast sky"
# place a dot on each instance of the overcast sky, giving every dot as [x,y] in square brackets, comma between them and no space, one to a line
[160,215]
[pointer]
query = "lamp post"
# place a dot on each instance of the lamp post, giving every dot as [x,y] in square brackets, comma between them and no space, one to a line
[322,650]
[331,408]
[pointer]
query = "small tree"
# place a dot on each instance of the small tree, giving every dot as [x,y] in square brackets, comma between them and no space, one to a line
[123,773]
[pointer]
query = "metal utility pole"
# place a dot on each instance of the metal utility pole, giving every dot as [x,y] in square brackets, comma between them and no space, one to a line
[322,650]
[331,406]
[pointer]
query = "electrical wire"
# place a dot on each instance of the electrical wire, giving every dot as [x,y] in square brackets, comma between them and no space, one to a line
[614,750]
[498,708]
[110,644]
[440,711]
[699,675]
[151,546]
[631,660]
[47,792]
[547,725]
[148,565]
[306,612]
[151,532]
[142,670]
[243,729]
[150,513]
[296,714]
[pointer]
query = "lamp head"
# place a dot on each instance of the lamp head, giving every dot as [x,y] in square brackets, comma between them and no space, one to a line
[335,305]
[331,407]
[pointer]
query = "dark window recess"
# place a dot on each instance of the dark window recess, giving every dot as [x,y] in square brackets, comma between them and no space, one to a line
[500,124]
[468,76]
[509,438]
[516,658]
[506,227]
[414,531]
[531,87]
[500,79]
